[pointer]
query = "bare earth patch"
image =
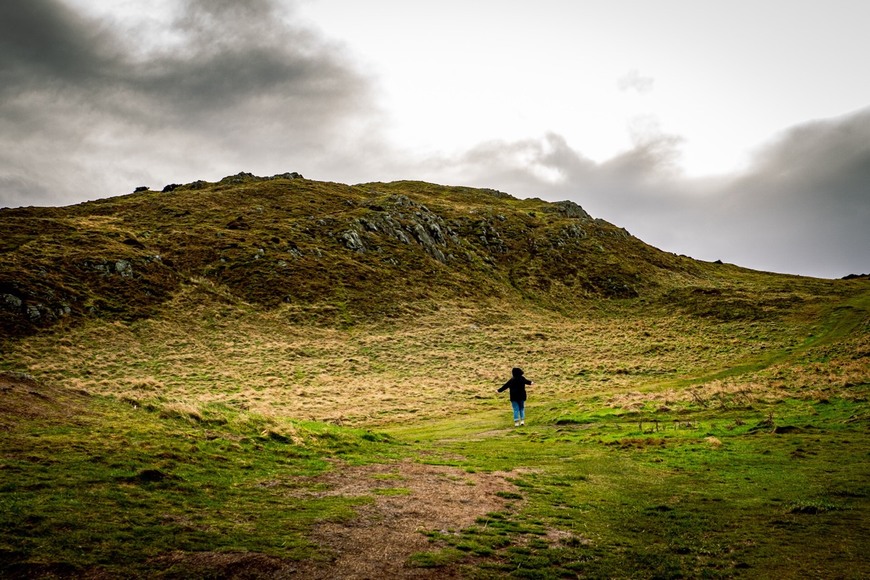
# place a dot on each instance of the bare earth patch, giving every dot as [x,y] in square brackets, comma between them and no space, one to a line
[409,499]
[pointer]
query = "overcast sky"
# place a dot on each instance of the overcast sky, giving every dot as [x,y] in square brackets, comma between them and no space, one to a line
[736,130]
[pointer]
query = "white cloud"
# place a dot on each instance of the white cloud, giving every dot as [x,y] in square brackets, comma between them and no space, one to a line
[634,81]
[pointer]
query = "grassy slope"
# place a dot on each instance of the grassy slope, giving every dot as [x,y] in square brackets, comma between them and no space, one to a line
[715,426]
[91,484]
[759,478]
[328,253]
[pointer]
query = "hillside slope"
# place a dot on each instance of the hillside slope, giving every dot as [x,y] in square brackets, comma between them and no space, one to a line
[331,253]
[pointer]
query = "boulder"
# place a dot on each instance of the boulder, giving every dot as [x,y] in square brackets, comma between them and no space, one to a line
[288,175]
[352,241]
[11,302]
[568,209]
[124,268]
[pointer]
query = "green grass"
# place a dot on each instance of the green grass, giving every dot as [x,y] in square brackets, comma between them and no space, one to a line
[669,503]
[120,486]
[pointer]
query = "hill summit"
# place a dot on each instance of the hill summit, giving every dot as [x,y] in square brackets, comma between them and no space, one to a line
[328,252]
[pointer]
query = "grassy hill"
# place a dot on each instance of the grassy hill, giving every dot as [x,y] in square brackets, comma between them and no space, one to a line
[277,376]
[333,254]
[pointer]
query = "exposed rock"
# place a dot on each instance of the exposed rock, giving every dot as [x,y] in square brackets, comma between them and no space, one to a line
[489,237]
[402,200]
[11,302]
[425,227]
[385,224]
[424,239]
[149,476]
[369,225]
[288,175]
[124,268]
[568,209]
[569,233]
[352,241]
[141,188]
[171,187]
[34,313]
[241,177]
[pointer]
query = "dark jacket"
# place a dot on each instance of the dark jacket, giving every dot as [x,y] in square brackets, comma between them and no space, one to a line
[517,385]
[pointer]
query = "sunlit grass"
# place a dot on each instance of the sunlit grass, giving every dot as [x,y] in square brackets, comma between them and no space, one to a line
[446,362]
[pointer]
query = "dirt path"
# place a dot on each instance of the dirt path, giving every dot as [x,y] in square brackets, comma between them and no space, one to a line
[410,498]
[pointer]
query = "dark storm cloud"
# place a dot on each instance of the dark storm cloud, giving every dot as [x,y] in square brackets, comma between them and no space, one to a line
[87,103]
[45,42]
[807,198]
[802,207]
[237,51]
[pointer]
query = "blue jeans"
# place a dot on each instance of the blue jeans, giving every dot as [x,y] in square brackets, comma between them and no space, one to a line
[519,410]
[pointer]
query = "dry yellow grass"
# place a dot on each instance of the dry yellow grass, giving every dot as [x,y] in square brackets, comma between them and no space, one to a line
[205,349]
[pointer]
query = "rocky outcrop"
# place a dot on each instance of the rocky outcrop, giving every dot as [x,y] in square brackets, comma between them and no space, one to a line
[237,179]
[288,175]
[568,209]
[122,268]
[401,219]
[37,311]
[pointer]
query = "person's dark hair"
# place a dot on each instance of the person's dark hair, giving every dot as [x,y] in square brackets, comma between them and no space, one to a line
[517,372]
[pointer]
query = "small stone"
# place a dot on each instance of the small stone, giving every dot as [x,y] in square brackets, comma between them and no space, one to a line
[124,268]
[11,301]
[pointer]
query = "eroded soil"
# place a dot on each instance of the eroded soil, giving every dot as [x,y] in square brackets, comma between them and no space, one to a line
[408,499]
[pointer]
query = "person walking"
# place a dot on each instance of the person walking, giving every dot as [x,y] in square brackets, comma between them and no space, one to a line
[517,385]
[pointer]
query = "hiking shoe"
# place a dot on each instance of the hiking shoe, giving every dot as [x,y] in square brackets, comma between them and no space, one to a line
[522,422]
[516,424]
